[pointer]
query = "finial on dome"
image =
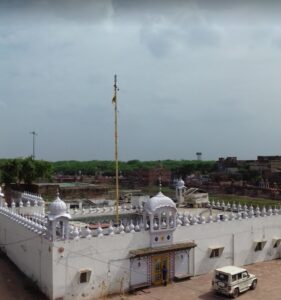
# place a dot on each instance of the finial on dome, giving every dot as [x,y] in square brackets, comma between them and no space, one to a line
[160,183]
[58,193]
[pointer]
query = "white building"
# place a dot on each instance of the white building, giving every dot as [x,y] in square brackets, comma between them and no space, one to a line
[69,262]
[196,197]
[180,190]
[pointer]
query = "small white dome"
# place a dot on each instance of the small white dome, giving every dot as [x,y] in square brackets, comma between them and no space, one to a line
[58,208]
[180,183]
[159,201]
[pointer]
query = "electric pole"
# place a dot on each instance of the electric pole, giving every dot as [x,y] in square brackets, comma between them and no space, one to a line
[33,143]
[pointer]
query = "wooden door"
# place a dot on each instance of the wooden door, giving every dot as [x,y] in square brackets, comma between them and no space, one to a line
[158,263]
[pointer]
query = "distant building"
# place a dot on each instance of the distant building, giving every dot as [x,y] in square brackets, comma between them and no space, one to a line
[196,197]
[68,190]
[149,177]
[226,163]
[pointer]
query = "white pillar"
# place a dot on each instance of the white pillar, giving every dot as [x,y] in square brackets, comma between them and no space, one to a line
[54,235]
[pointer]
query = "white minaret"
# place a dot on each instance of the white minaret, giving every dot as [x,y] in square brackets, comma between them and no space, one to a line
[58,220]
[180,188]
[1,197]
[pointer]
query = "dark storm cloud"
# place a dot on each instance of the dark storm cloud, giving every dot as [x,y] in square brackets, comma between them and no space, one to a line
[132,10]
[72,10]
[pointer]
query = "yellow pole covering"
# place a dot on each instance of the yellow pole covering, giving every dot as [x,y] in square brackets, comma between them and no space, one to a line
[114,101]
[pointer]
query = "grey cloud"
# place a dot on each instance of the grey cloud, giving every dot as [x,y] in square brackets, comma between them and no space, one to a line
[243,11]
[44,10]
[56,78]
[159,41]
[3,106]
[276,40]
[202,36]
[162,40]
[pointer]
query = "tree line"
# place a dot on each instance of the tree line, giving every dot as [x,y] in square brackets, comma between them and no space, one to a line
[28,170]
[24,170]
[96,167]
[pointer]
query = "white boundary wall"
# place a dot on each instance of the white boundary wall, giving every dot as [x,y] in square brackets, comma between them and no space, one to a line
[55,266]
[108,256]
[238,238]
[29,251]
[108,259]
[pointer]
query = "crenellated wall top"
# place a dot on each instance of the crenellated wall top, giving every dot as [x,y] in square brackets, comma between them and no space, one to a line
[218,213]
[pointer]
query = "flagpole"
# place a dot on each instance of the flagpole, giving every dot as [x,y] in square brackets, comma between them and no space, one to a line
[114,100]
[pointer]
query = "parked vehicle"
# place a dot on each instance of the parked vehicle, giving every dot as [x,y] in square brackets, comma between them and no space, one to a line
[231,280]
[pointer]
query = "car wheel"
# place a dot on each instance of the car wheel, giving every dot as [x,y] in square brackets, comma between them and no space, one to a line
[254,285]
[235,293]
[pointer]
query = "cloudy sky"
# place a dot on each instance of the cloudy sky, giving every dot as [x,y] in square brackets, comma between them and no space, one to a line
[193,76]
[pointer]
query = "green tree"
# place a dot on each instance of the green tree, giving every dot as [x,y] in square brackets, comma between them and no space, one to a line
[10,171]
[44,169]
[25,170]
[28,170]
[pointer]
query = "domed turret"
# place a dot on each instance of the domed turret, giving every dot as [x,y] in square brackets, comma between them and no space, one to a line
[58,209]
[58,220]
[160,213]
[159,201]
[180,189]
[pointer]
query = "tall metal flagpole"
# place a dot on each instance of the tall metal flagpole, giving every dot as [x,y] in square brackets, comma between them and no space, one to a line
[114,101]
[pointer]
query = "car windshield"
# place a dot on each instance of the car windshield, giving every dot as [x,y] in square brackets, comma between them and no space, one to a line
[222,277]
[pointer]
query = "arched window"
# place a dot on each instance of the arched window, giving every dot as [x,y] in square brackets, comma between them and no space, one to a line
[163,220]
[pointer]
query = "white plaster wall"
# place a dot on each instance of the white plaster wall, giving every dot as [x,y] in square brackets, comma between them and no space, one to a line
[237,237]
[29,251]
[182,262]
[55,266]
[107,257]
[139,269]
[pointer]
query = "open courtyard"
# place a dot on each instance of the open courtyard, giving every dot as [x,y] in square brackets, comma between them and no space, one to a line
[199,287]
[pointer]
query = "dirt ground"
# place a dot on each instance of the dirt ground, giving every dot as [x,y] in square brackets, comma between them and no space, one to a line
[15,286]
[199,287]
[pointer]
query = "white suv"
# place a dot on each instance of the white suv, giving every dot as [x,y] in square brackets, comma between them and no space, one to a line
[233,280]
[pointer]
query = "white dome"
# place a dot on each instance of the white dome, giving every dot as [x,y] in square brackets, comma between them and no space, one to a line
[159,201]
[180,183]
[57,209]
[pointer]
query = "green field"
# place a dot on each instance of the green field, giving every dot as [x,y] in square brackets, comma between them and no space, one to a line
[245,200]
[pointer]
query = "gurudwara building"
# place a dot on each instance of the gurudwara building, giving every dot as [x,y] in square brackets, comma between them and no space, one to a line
[69,260]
